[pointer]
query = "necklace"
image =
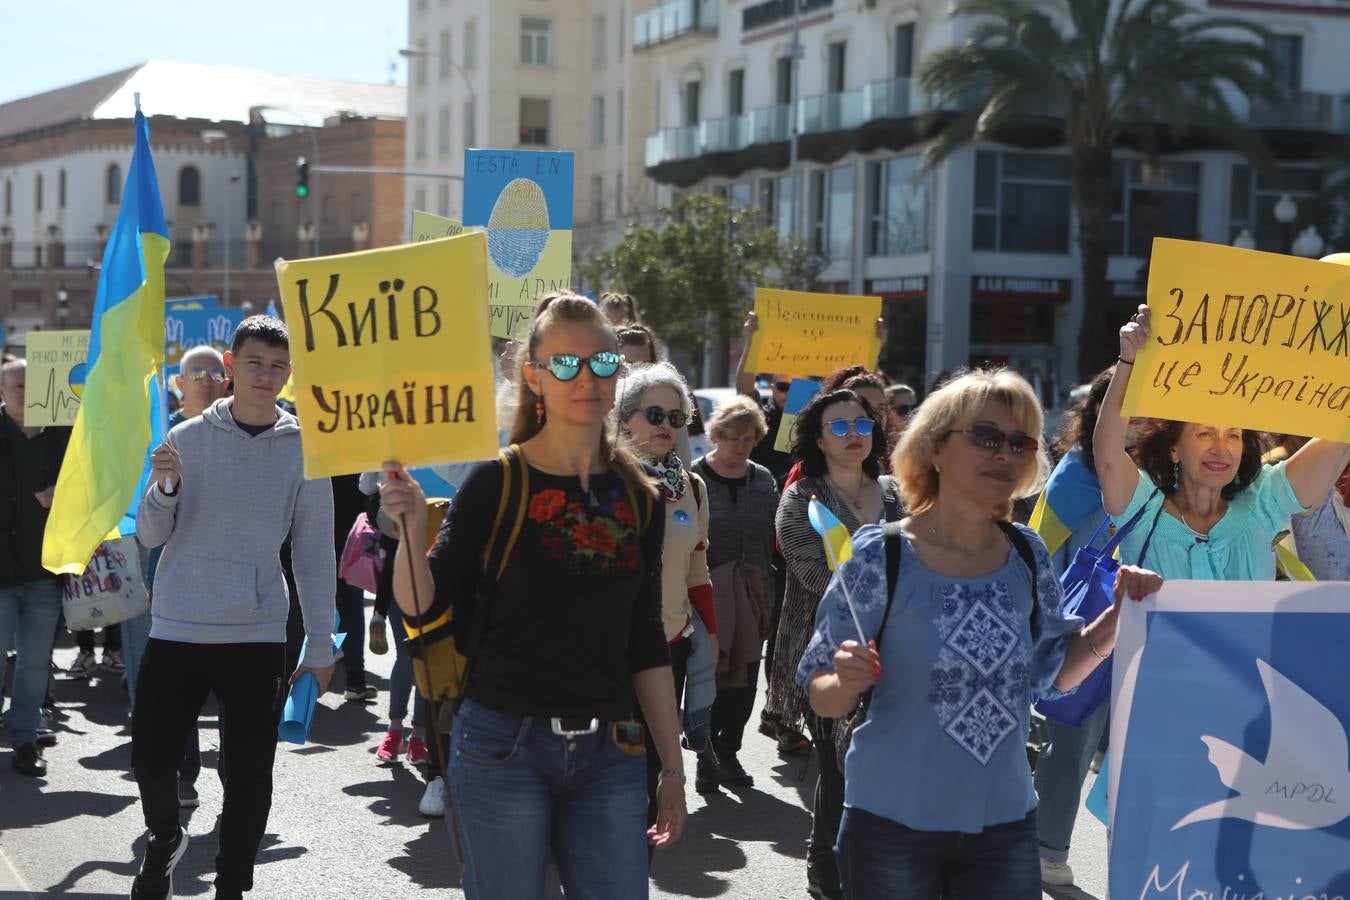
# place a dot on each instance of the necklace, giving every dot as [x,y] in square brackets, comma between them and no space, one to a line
[1202,538]
[855,499]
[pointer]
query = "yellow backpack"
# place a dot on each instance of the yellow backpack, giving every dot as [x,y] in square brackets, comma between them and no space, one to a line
[440,665]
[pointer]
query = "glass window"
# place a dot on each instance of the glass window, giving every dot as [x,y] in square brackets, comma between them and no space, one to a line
[819,210]
[534,116]
[1009,321]
[783,207]
[898,208]
[113,190]
[597,121]
[471,45]
[1152,199]
[443,55]
[189,186]
[740,194]
[443,131]
[419,65]
[61,189]
[420,136]
[443,199]
[470,129]
[691,92]
[736,92]
[618,194]
[37,192]
[836,69]
[597,199]
[623,36]
[9,197]
[1022,202]
[618,113]
[783,80]
[535,41]
[598,41]
[904,50]
[767,193]
[1034,218]
[841,213]
[420,199]
[1287,53]
[1253,198]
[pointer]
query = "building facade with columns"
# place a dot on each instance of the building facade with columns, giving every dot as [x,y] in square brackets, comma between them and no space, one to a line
[225,144]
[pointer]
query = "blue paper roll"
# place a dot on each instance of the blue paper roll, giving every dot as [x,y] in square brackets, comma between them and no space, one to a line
[298,715]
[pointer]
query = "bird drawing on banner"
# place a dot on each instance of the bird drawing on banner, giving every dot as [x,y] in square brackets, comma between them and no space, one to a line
[1303,784]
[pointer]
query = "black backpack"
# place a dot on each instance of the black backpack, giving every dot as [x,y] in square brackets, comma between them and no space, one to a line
[843,728]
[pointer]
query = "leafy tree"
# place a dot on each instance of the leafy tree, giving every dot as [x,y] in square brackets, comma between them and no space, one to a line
[1108,72]
[695,268]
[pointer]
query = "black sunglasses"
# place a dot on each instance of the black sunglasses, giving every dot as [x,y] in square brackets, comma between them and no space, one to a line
[782,385]
[656,415]
[566,366]
[989,438]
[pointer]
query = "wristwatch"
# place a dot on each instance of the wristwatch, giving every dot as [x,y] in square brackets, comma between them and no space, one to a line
[674,773]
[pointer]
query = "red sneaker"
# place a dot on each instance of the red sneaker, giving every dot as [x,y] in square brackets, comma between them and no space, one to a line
[417,751]
[391,745]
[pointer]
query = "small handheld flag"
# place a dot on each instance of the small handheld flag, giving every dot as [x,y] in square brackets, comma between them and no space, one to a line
[838,550]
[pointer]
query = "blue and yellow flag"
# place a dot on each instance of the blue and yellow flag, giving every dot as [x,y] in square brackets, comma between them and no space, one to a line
[1072,496]
[121,412]
[838,544]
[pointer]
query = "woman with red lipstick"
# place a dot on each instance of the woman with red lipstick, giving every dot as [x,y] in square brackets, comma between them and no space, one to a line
[840,443]
[1213,509]
[957,643]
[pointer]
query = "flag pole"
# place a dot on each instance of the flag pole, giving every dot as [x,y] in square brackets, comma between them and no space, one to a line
[843,583]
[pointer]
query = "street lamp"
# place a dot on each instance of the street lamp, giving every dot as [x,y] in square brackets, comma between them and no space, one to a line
[210,136]
[416,53]
[1308,243]
[1244,240]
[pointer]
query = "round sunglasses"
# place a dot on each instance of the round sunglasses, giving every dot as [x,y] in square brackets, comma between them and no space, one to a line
[566,366]
[655,415]
[214,376]
[990,439]
[862,426]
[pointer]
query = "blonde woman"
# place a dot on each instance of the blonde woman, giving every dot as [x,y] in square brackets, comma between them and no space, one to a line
[972,635]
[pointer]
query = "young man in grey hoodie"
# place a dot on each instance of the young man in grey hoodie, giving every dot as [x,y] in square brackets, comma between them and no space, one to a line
[227,489]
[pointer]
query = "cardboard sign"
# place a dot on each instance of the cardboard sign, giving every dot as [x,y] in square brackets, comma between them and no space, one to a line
[55,378]
[799,395]
[813,334]
[1247,339]
[391,355]
[428,226]
[523,198]
[1229,773]
[188,328]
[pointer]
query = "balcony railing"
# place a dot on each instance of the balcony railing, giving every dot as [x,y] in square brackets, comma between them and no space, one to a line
[673,20]
[773,11]
[896,98]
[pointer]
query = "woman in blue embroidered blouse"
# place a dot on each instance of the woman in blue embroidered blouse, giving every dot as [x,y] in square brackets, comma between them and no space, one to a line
[1212,509]
[937,788]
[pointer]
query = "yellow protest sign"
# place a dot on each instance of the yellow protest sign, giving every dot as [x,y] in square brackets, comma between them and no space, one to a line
[1247,339]
[55,378]
[813,334]
[428,226]
[391,355]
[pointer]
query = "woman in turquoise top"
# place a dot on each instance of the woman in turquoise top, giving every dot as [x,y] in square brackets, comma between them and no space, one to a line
[1213,510]
[937,787]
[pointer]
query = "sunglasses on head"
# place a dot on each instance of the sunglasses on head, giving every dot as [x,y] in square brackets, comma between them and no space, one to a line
[862,426]
[656,415]
[566,366]
[990,439]
[215,376]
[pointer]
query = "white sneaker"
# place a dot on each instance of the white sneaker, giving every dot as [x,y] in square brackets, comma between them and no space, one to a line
[1057,874]
[433,800]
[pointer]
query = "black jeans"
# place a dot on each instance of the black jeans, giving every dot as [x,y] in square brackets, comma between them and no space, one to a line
[249,681]
[827,807]
[112,639]
[731,711]
[384,588]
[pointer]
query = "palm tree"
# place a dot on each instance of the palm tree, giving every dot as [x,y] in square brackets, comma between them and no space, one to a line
[1103,72]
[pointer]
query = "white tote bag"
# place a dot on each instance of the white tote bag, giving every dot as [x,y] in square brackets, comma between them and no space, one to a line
[111,590]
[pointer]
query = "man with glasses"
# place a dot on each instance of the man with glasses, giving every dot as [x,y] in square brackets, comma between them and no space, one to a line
[200,381]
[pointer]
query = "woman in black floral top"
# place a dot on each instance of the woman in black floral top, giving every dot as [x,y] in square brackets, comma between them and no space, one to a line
[542,757]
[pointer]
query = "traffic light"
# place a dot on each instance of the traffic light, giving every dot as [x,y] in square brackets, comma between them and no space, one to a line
[301,177]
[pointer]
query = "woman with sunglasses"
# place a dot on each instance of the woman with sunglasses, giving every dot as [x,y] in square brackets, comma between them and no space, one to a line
[840,444]
[937,788]
[653,407]
[544,755]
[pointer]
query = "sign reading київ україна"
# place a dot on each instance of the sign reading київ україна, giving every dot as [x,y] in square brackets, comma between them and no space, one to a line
[1247,339]
[391,355]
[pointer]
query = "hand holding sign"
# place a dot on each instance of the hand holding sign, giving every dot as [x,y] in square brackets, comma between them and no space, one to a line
[796,333]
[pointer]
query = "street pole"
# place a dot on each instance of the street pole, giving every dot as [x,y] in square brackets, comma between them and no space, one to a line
[793,97]
[229,180]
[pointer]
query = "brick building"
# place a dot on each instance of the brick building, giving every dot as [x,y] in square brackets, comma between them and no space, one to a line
[225,143]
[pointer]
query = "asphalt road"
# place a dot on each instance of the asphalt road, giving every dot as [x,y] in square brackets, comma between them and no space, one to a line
[343,826]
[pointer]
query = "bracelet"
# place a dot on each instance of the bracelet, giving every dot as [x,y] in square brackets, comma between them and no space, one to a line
[673,773]
[1093,647]
[1121,359]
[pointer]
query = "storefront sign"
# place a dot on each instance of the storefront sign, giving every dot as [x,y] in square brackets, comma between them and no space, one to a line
[914,287]
[1019,288]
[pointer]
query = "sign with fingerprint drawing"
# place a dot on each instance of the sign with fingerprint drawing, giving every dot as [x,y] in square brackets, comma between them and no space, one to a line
[524,200]
[1229,717]
[55,378]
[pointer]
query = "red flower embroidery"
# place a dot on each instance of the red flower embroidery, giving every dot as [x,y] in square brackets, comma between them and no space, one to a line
[594,536]
[574,509]
[546,505]
[624,514]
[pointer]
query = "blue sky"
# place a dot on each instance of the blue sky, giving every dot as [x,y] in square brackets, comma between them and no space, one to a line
[60,42]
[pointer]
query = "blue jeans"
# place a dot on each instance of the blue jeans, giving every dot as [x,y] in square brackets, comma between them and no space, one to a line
[401,682]
[28,615]
[883,860]
[520,792]
[1060,771]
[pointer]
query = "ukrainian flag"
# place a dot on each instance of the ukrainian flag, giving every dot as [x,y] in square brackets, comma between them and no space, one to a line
[121,412]
[1071,497]
[838,545]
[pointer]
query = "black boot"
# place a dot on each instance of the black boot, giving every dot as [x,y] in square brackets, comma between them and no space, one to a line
[27,758]
[822,879]
[731,773]
[705,775]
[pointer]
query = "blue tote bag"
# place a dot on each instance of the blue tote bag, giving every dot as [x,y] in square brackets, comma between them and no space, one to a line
[1089,590]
